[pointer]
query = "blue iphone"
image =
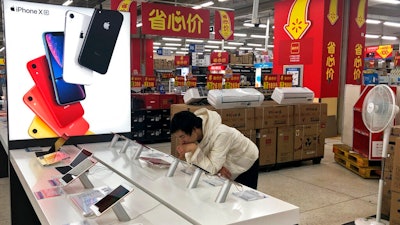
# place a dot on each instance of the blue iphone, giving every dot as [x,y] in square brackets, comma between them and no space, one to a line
[65,93]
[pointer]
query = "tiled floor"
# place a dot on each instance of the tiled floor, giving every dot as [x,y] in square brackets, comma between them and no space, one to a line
[326,193]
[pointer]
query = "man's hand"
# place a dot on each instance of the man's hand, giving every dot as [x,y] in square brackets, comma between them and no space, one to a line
[225,173]
[183,148]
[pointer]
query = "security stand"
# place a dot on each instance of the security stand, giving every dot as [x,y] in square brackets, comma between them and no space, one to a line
[114,140]
[172,168]
[195,178]
[138,152]
[125,146]
[120,212]
[223,192]
[85,181]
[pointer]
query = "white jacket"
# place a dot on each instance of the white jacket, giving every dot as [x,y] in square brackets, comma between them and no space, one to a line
[222,146]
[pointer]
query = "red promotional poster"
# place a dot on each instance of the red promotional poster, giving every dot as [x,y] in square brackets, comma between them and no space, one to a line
[270,81]
[165,20]
[191,82]
[137,81]
[219,57]
[126,6]
[232,81]
[379,52]
[356,41]
[182,60]
[179,81]
[224,25]
[149,81]
[214,81]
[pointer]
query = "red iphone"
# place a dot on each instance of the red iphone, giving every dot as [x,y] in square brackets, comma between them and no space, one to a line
[64,115]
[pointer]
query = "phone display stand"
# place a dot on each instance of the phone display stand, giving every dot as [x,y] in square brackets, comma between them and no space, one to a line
[223,192]
[120,212]
[85,181]
[138,151]
[195,178]
[172,168]
[114,140]
[125,146]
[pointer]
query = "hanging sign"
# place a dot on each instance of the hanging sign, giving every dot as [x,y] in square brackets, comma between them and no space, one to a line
[214,81]
[127,6]
[182,60]
[219,57]
[224,23]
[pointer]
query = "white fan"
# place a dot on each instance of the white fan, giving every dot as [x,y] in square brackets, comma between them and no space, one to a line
[378,112]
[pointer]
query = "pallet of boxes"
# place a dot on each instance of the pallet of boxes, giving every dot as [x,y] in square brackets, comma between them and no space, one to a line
[283,133]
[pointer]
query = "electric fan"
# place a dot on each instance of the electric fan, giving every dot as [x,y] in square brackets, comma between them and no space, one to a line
[378,111]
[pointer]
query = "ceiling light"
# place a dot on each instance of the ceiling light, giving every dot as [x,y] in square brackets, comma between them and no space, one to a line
[207,50]
[2,49]
[194,40]
[270,46]
[391,24]
[170,48]
[229,47]
[369,21]
[171,39]
[156,43]
[372,36]
[259,49]
[245,48]
[395,2]
[139,24]
[184,49]
[391,38]
[254,45]
[206,4]
[211,46]
[258,36]
[239,35]
[255,25]
[68,2]
[172,44]
[234,43]
[214,42]
[182,53]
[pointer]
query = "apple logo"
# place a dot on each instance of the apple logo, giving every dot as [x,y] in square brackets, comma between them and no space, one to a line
[12,8]
[106,25]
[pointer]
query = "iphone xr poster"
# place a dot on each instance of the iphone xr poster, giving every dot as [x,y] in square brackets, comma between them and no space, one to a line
[50,40]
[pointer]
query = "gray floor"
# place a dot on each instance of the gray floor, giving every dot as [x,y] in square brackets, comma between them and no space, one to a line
[326,193]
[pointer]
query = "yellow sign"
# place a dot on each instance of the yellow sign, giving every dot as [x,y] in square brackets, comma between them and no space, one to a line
[360,19]
[2,61]
[298,23]
[226,29]
[124,5]
[384,51]
[333,12]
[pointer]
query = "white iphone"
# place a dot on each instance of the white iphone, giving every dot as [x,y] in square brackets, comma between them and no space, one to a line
[76,26]
[111,199]
[77,171]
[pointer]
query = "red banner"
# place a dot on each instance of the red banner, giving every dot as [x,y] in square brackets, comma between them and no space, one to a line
[270,81]
[137,81]
[182,60]
[179,81]
[126,6]
[191,82]
[149,81]
[232,81]
[214,81]
[285,80]
[224,25]
[356,41]
[161,19]
[219,57]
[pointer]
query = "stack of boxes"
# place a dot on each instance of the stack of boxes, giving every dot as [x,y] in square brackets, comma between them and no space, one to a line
[164,64]
[283,133]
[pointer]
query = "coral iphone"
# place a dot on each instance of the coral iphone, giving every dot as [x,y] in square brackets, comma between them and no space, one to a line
[35,101]
[76,25]
[111,199]
[63,114]
[65,93]
[100,40]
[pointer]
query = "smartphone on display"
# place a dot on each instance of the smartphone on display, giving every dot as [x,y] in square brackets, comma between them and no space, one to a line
[100,40]
[76,25]
[77,171]
[35,101]
[82,155]
[111,199]
[65,93]
[63,114]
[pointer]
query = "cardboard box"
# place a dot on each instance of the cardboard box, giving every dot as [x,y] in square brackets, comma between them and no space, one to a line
[267,146]
[166,100]
[251,134]
[273,115]
[310,113]
[284,139]
[395,208]
[396,166]
[307,142]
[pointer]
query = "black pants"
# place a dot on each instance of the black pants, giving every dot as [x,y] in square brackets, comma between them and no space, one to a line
[250,177]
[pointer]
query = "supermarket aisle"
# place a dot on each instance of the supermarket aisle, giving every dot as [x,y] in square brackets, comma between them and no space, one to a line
[326,193]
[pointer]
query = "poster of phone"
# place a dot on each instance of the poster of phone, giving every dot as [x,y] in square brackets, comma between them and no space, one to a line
[297,74]
[47,31]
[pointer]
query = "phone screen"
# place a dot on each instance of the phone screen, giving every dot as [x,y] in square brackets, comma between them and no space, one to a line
[111,198]
[80,157]
[68,178]
[66,93]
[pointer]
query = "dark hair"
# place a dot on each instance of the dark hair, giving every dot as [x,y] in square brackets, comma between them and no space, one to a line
[185,121]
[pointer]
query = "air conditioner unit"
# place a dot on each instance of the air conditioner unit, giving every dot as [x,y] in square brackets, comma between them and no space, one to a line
[292,95]
[235,98]
[193,95]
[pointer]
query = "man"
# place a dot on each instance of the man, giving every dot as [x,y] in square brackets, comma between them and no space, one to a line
[215,147]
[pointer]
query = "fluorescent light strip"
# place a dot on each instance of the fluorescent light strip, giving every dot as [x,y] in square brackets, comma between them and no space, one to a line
[206,4]
[245,48]
[170,48]
[254,25]
[156,43]
[394,2]
[259,49]
[369,21]
[214,42]
[183,53]
[391,24]
[211,46]
[239,35]
[184,49]
[194,40]
[172,44]
[254,45]
[229,47]
[234,43]
[139,24]
[68,2]
[390,38]
[171,39]
[372,36]
[258,36]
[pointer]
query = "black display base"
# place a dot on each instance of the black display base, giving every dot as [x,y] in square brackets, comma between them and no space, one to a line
[3,162]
